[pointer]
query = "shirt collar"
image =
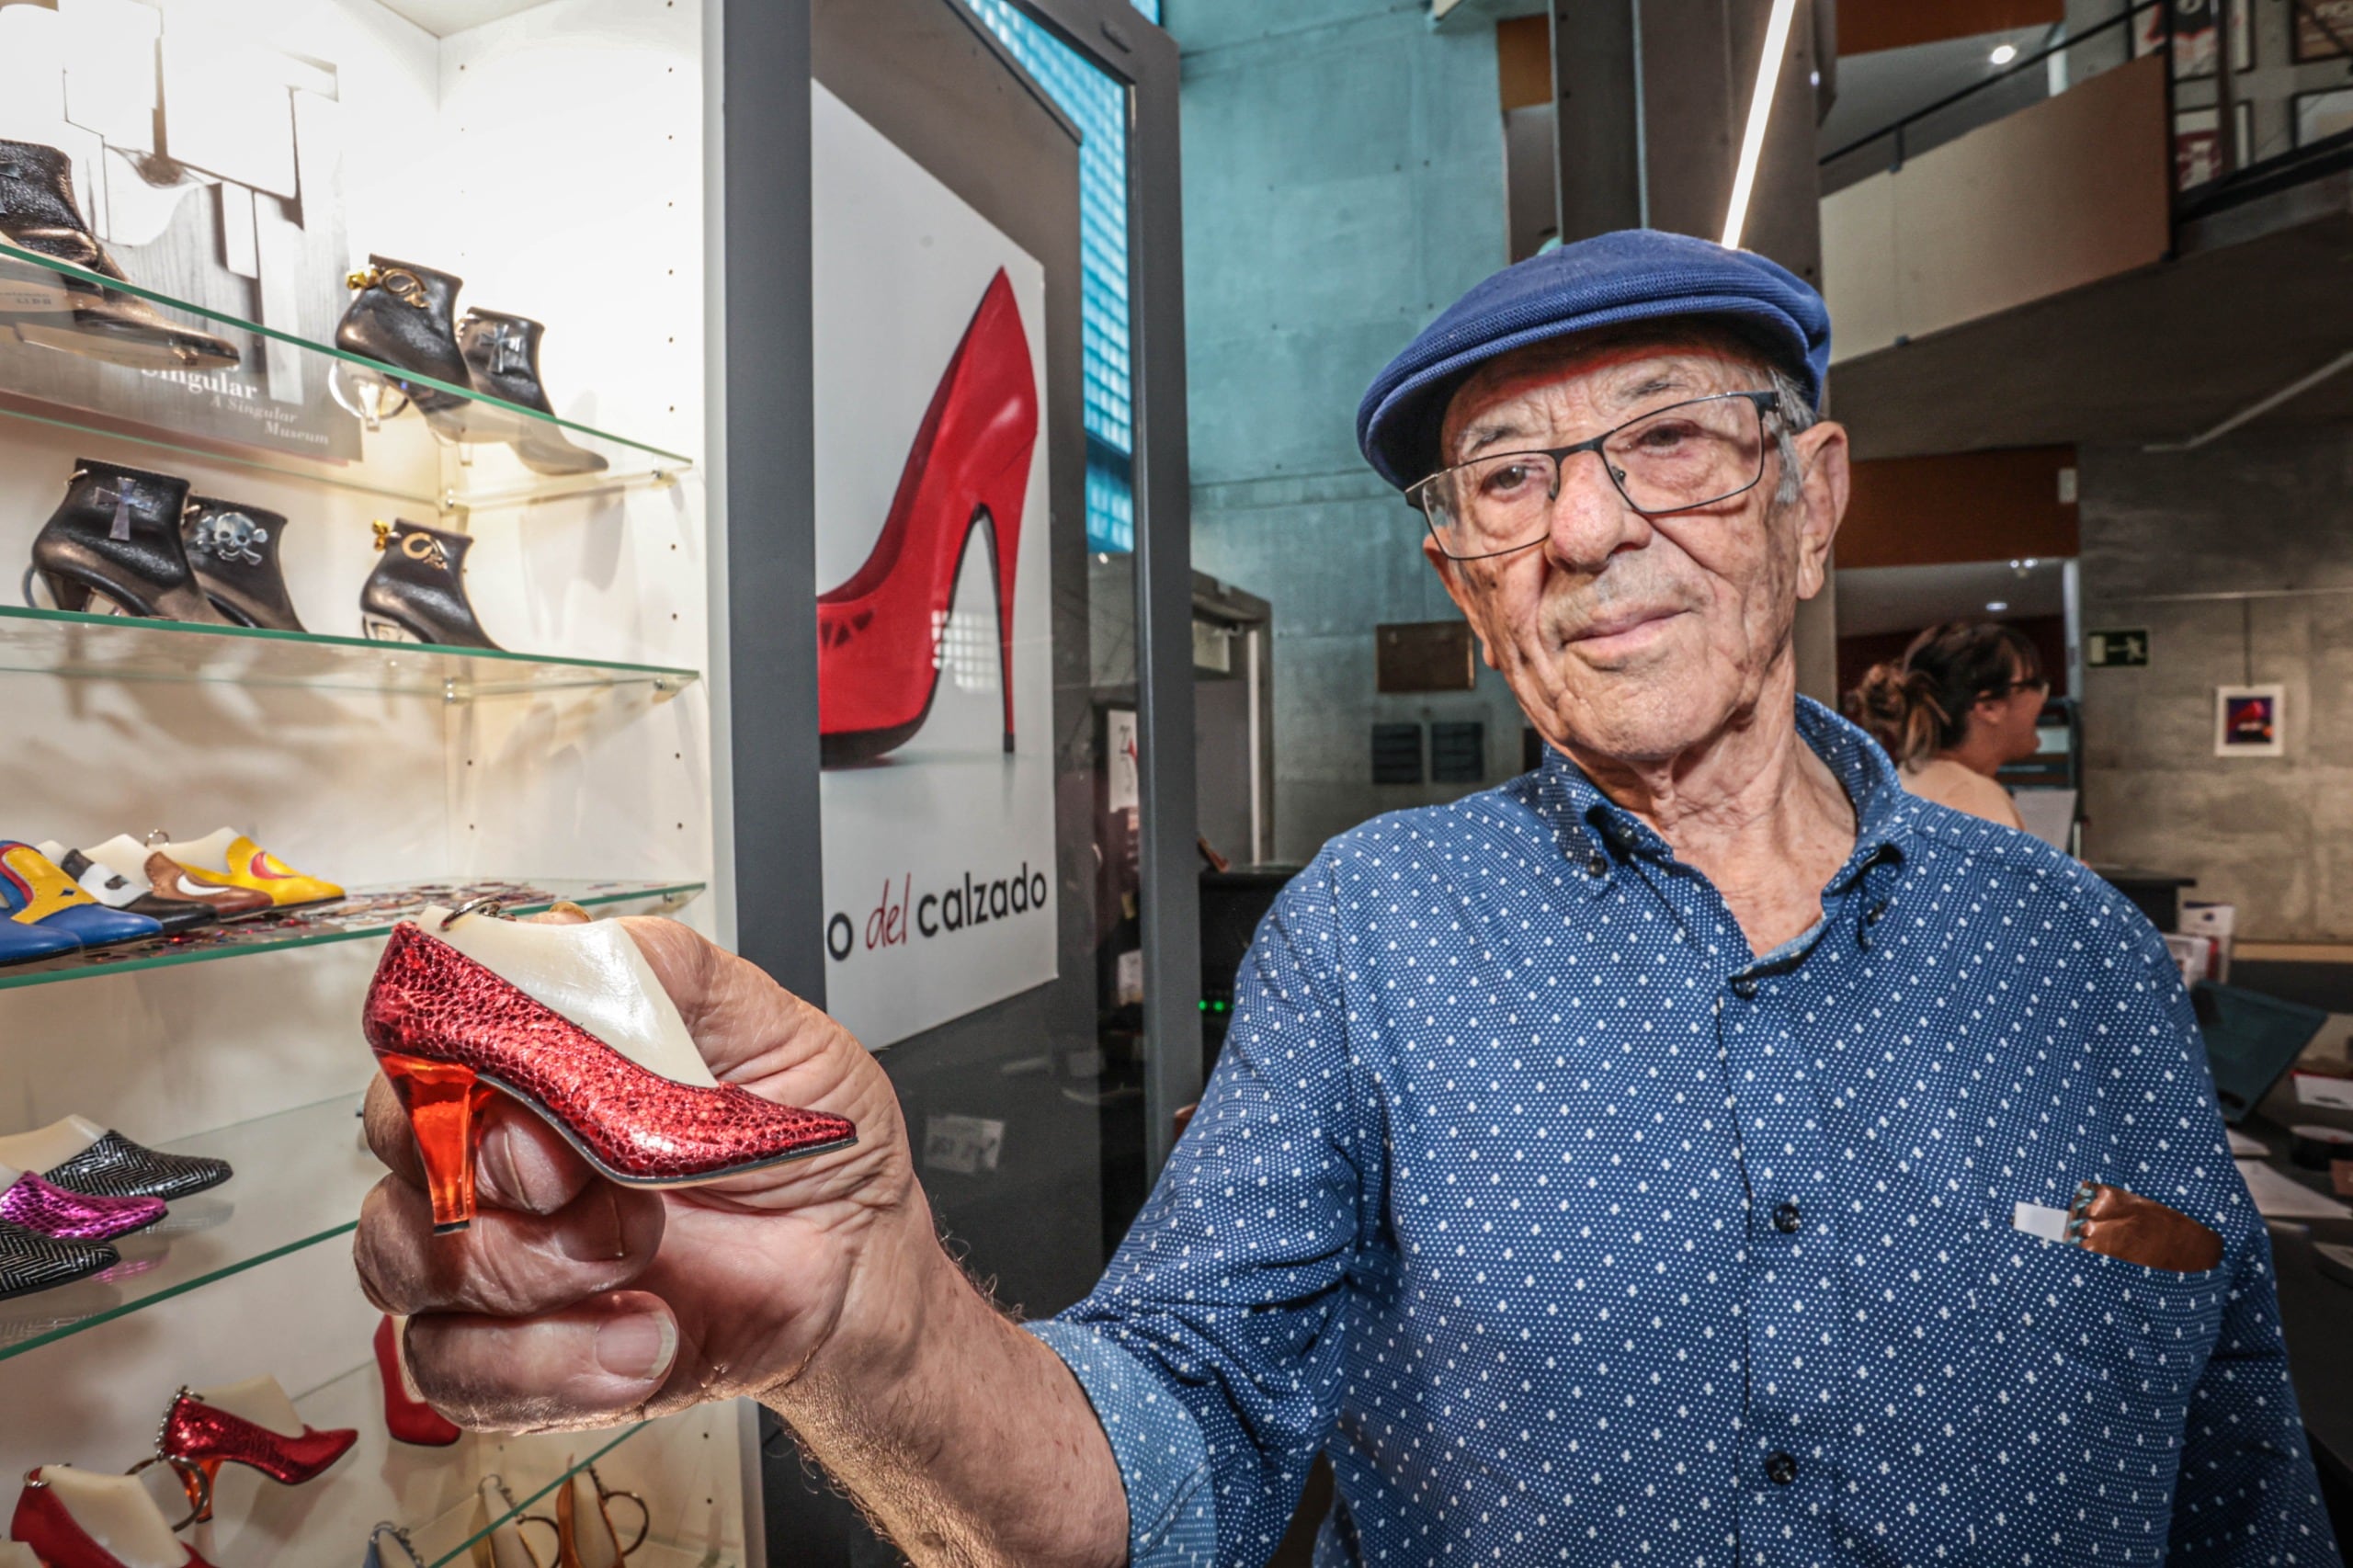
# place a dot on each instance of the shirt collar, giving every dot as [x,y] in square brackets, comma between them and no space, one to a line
[1595,830]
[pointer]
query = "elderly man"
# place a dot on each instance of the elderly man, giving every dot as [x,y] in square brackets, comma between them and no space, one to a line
[1698,1151]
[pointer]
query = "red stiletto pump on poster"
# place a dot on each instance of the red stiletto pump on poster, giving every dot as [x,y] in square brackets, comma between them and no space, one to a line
[879,634]
[408,1418]
[570,1021]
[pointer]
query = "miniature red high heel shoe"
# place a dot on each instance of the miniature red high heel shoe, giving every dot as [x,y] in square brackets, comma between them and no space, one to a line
[408,1418]
[570,1021]
[879,634]
[252,1424]
[74,1518]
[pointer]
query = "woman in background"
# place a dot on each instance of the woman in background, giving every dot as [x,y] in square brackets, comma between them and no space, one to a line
[1962,702]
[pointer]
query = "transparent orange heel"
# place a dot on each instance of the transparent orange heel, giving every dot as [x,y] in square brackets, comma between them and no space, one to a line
[444,1101]
[199,1480]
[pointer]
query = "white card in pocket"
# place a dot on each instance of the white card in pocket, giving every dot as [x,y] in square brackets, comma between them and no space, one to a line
[2036,1220]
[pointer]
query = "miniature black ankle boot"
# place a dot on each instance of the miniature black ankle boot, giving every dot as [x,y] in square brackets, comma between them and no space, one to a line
[116,537]
[418,592]
[502,356]
[234,550]
[401,315]
[39,214]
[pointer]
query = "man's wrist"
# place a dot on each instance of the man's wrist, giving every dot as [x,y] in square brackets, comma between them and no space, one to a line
[904,1293]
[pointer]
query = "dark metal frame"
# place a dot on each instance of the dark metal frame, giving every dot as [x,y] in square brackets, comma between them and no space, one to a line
[1117,39]
[768,668]
[771,683]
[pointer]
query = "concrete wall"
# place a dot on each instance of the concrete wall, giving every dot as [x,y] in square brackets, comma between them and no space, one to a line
[2264,510]
[1343,182]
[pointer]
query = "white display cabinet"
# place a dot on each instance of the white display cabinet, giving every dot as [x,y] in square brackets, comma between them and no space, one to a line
[236,158]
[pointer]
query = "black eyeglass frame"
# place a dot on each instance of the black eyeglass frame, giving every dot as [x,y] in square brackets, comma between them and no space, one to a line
[2033,683]
[1417,493]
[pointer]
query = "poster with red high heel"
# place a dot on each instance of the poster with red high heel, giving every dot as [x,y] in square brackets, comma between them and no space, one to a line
[933,648]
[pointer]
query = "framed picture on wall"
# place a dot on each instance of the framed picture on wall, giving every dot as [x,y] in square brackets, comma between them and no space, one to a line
[2250,721]
[2322,29]
[2197,150]
[2320,116]
[2194,35]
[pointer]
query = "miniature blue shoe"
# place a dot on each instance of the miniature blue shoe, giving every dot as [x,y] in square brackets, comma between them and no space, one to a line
[49,914]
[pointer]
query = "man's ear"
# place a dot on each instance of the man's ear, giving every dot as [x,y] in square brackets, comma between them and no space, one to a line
[1450,572]
[1821,501]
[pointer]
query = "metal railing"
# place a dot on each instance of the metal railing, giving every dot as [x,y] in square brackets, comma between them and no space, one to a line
[2236,174]
[1994,96]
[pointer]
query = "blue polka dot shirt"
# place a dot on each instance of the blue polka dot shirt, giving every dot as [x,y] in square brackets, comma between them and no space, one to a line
[1572,1231]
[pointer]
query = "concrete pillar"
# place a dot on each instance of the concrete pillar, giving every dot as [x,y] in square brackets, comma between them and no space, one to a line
[1650,104]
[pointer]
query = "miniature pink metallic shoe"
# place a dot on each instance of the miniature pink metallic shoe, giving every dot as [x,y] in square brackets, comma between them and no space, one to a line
[252,1424]
[68,1216]
[571,1021]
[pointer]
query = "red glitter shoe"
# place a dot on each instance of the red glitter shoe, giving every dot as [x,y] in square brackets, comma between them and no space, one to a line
[408,1418]
[74,1518]
[252,1424]
[570,1021]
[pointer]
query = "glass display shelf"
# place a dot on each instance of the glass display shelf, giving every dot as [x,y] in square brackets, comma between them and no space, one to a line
[118,647]
[300,1177]
[363,912]
[285,407]
[451,1538]
[431,1493]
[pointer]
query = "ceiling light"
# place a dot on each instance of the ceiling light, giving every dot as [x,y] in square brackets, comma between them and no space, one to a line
[1760,109]
[1997,606]
[2004,53]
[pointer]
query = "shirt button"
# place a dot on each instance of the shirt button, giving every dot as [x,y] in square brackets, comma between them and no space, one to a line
[1743,987]
[1598,865]
[1779,1468]
[1786,1217]
[1875,913]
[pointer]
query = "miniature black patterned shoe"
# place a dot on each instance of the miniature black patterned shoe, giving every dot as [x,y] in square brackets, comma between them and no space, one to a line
[116,1167]
[30,1261]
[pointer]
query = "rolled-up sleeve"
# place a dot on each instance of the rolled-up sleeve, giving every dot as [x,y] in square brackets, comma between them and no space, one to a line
[1163,1463]
[1214,1347]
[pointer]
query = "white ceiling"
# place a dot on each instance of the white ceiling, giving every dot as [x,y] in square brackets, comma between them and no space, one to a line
[1905,599]
[443,17]
[1877,89]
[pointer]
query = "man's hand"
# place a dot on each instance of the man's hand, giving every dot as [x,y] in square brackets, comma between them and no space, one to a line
[818,1287]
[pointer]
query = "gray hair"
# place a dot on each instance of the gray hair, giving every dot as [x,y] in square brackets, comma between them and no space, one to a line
[1794,414]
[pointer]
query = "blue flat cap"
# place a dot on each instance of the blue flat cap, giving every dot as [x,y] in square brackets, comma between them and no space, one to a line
[1631,276]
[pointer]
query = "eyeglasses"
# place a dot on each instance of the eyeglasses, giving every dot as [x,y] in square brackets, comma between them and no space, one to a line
[2040,684]
[1675,459]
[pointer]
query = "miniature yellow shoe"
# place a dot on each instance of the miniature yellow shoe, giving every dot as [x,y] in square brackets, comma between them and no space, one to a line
[229,859]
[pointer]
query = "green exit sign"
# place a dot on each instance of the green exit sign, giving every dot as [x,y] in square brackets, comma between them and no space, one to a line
[2128,649]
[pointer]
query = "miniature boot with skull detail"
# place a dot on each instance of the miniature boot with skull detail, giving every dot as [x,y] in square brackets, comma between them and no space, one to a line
[233,549]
